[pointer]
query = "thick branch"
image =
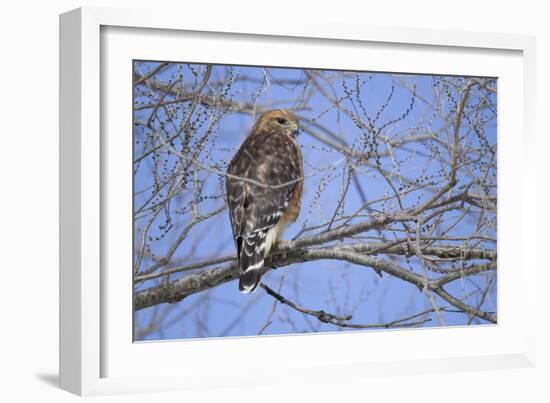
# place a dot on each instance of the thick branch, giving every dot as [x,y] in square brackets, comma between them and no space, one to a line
[190,284]
[371,248]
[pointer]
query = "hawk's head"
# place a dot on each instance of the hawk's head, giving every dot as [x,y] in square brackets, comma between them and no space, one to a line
[278,120]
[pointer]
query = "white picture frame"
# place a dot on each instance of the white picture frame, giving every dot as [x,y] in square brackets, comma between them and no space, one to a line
[89,336]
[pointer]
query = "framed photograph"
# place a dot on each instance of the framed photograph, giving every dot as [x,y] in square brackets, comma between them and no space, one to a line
[238,198]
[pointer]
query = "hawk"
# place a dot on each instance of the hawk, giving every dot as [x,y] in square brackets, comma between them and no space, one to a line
[264,190]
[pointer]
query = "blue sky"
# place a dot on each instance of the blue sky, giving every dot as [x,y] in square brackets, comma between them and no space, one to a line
[333,286]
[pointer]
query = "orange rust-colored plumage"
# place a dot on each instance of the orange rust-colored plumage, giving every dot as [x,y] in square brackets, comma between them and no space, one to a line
[262,205]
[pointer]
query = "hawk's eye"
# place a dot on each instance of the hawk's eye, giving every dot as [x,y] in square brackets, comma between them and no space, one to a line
[281,121]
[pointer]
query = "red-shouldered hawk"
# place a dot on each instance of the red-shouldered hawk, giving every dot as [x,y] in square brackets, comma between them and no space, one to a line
[262,205]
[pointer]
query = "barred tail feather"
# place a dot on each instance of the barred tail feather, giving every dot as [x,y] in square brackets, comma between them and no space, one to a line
[251,261]
[249,280]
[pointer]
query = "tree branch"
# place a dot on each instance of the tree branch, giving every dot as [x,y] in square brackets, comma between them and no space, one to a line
[179,289]
[341,321]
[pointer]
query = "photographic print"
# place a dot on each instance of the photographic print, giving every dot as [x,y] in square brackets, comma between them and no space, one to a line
[270,200]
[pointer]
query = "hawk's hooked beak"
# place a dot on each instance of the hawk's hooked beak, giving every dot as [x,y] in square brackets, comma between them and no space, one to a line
[295,130]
